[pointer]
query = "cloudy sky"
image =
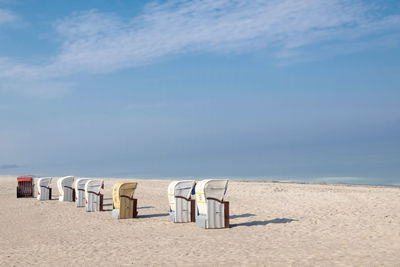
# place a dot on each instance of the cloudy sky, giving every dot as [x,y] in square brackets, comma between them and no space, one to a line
[306,89]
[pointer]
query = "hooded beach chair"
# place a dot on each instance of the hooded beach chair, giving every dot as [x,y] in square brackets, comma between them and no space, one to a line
[80,192]
[181,207]
[93,198]
[212,211]
[124,205]
[43,188]
[26,187]
[67,192]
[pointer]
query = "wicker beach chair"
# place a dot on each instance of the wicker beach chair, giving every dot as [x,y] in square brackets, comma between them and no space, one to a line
[43,188]
[93,197]
[181,206]
[212,210]
[25,186]
[79,187]
[67,192]
[124,205]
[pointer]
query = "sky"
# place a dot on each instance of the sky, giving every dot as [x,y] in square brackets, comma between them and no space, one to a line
[305,90]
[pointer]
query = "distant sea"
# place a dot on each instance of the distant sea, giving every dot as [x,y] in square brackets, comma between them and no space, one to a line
[118,173]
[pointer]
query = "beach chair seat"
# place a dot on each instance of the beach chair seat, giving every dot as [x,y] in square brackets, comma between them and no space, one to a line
[67,192]
[25,186]
[43,188]
[181,206]
[93,197]
[212,210]
[80,192]
[124,205]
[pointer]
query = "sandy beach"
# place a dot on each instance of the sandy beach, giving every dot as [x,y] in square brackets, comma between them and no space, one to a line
[272,224]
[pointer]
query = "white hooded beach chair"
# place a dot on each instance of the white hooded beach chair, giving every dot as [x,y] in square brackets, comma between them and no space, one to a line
[124,205]
[80,192]
[67,192]
[181,207]
[212,211]
[93,198]
[43,188]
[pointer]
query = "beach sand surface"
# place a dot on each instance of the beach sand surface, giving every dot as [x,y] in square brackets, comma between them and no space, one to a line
[272,224]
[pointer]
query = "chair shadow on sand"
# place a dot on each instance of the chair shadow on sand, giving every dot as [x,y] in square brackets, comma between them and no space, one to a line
[153,215]
[255,223]
[244,215]
[145,207]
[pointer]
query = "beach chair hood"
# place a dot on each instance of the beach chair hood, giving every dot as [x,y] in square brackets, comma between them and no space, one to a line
[80,192]
[179,189]
[93,186]
[45,181]
[25,179]
[80,184]
[212,188]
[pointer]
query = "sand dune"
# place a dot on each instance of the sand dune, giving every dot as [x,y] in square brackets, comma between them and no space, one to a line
[274,224]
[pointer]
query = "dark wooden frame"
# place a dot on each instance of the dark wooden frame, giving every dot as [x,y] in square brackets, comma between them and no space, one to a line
[193,210]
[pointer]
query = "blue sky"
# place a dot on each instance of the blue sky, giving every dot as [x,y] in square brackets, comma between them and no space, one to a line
[304,89]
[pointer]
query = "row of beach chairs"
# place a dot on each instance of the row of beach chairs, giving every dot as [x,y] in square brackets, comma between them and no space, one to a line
[85,193]
[201,202]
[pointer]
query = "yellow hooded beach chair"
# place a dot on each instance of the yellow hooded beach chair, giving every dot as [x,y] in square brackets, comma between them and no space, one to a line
[124,205]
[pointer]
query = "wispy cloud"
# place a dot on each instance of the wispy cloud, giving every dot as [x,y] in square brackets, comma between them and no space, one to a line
[7,17]
[95,42]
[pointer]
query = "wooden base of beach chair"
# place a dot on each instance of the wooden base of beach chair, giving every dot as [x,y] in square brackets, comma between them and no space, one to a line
[80,198]
[217,215]
[25,189]
[94,202]
[45,194]
[22,193]
[69,194]
[185,210]
[128,208]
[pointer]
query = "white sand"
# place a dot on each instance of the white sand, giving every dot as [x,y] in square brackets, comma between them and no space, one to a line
[274,224]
